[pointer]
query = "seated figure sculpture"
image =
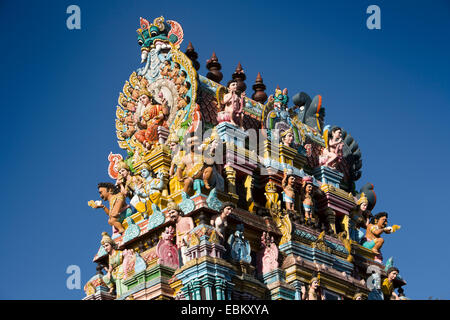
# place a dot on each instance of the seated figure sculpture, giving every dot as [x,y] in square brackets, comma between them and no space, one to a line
[117,204]
[376,227]
[193,166]
[332,154]
[359,217]
[152,116]
[148,195]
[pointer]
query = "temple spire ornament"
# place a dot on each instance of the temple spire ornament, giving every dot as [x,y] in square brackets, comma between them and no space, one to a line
[214,67]
[240,77]
[191,54]
[259,87]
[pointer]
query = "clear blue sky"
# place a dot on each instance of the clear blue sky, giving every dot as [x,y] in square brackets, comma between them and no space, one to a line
[389,88]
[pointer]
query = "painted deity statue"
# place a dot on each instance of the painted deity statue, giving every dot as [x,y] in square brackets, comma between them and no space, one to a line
[149,192]
[183,226]
[314,291]
[152,116]
[359,217]
[307,200]
[117,204]
[114,270]
[126,181]
[268,257]
[233,106]
[376,227]
[332,154]
[193,166]
[387,287]
[219,221]
[288,191]
[174,184]
[240,247]
[287,138]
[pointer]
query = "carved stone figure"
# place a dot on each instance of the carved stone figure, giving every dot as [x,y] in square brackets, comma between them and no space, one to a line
[359,217]
[333,151]
[288,191]
[183,226]
[193,166]
[152,116]
[166,250]
[219,222]
[174,184]
[376,227]
[233,105]
[114,270]
[314,292]
[126,181]
[117,205]
[239,246]
[308,201]
[388,284]
[287,138]
[268,257]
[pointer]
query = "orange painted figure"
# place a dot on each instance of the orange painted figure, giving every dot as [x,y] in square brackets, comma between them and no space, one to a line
[153,116]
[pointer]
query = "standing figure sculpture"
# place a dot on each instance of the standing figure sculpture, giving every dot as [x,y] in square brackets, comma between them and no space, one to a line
[117,205]
[183,226]
[314,292]
[307,200]
[174,184]
[219,221]
[115,259]
[288,191]
[233,105]
[332,154]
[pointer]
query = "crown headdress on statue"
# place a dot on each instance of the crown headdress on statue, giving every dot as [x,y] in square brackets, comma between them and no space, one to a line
[362,199]
[158,23]
[107,239]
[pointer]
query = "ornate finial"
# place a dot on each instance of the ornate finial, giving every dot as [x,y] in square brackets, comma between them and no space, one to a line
[214,67]
[259,88]
[240,77]
[191,54]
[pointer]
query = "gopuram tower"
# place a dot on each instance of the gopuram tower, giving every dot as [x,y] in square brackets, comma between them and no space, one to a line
[218,196]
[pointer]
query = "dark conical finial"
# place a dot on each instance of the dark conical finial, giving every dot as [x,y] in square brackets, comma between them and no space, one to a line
[259,87]
[240,77]
[191,54]
[214,67]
